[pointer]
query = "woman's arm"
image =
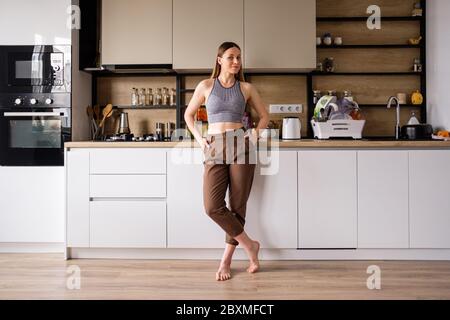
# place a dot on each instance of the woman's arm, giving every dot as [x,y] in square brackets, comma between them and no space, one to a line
[256,103]
[197,100]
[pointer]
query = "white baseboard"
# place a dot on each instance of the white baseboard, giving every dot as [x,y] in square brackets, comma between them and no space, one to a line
[31,247]
[265,254]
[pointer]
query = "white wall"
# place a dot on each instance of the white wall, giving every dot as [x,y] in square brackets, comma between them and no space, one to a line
[34,22]
[438,65]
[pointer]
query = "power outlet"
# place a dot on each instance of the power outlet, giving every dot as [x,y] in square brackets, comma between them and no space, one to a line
[285,108]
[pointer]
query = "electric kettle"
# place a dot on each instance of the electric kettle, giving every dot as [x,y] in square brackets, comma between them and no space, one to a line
[291,128]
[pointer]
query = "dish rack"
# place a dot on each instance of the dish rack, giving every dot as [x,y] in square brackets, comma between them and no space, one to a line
[338,129]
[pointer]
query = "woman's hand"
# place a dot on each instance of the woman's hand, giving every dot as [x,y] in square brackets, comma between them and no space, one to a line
[205,145]
[252,134]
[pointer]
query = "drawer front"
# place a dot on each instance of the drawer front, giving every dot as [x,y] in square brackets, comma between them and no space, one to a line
[127,161]
[127,224]
[127,186]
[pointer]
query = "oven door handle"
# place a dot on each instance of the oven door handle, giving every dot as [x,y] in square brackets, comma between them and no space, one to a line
[33,114]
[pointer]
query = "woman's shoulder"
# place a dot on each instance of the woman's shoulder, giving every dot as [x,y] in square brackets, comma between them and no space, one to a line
[206,84]
[246,86]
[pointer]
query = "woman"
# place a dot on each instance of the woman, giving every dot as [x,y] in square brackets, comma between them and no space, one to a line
[225,95]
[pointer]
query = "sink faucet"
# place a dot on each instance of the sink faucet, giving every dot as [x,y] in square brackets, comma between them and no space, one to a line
[397,126]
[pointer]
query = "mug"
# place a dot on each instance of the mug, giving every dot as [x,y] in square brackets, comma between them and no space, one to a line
[401,98]
[318,41]
[327,41]
[338,41]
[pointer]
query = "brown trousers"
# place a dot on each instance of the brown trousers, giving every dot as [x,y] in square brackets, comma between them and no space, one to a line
[230,168]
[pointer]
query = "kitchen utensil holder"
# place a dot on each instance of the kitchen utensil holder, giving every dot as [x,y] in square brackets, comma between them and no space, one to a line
[338,129]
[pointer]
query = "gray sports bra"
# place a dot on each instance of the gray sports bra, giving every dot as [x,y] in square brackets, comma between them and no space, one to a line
[225,104]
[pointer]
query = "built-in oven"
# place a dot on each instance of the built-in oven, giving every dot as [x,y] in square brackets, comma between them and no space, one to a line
[35,104]
[28,69]
[34,136]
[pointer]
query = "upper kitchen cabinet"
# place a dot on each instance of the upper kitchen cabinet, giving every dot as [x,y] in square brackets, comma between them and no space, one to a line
[136,32]
[280,35]
[199,27]
[42,22]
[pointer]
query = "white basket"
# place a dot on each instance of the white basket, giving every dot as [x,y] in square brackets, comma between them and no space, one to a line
[338,129]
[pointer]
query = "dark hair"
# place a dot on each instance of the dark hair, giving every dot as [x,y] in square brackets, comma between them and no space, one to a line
[217,68]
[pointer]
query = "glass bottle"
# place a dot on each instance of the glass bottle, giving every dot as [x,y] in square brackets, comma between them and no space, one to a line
[149,97]
[134,97]
[157,97]
[142,97]
[172,99]
[164,97]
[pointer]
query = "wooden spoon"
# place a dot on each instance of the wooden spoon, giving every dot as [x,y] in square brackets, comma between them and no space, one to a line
[107,111]
[90,113]
[97,113]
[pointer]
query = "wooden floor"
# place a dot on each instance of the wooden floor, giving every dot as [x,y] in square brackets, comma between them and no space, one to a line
[44,276]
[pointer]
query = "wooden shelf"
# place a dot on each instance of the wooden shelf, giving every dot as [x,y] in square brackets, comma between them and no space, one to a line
[343,19]
[158,107]
[370,46]
[362,105]
[366,73]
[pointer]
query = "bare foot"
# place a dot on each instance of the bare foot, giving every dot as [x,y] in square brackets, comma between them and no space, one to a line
[224,272]
[254,262]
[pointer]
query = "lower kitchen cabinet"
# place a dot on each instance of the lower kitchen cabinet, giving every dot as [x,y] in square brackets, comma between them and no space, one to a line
[127,224]
[383,199]
[31,204]
[77,198]
[429,201]
[188,224]
[272,207]
[327,200]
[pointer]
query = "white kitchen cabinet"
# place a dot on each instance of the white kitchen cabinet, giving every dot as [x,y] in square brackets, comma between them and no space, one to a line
[136,32]
[77,184]
[128,224]
[327,199]
[383,199]
[429,200]
[43,22]
[188,226]
[272,207]
[199,29]
[32,204]
[280,34]
[128,161]
[128,186]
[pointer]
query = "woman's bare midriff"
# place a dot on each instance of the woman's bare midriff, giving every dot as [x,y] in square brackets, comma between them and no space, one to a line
[221,127]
